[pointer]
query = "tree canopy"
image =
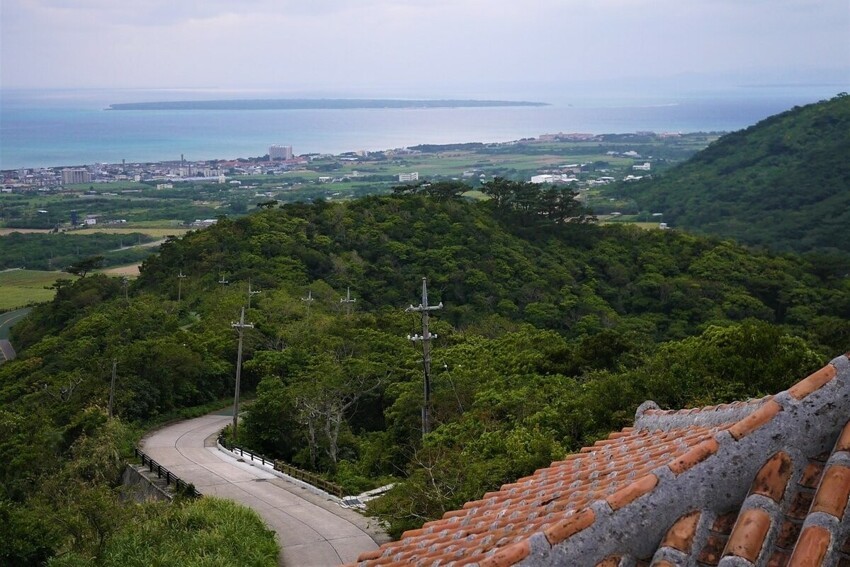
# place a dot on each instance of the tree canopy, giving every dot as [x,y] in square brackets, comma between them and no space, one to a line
[554,330]
[780,184]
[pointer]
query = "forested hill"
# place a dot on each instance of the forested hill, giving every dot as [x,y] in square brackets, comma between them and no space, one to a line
[553,331]
[575,278]
[783,183]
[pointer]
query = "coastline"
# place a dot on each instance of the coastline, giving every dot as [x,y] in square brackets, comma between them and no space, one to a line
[38,131]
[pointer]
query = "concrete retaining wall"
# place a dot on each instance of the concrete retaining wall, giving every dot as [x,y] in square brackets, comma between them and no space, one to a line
[140,488]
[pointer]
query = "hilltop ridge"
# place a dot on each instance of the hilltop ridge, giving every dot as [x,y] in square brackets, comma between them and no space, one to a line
[781,183]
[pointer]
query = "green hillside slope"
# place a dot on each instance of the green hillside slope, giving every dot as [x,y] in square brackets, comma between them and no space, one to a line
[553,331]
[783,183]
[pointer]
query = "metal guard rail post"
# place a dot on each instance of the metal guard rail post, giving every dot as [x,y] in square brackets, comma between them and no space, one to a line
[311,478]
[170,477]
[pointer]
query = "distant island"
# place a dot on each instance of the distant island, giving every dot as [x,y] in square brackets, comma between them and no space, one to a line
[314,104]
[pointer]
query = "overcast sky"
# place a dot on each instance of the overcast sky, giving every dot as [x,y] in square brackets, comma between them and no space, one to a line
[435,47]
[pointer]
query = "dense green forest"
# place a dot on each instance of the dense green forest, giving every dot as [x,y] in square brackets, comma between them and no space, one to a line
[553,331]
[782,183]
[60,250]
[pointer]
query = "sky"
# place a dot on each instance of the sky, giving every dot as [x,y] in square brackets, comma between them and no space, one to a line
[421,47]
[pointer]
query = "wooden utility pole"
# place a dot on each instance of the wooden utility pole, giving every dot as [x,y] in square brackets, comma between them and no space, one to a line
[240,328]
[180,278]
[425,338]
[112,386]
[251,293]
[348,301]
[308,300]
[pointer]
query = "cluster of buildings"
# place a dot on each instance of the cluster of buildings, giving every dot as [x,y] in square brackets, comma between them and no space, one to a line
[50,178]
[165,173]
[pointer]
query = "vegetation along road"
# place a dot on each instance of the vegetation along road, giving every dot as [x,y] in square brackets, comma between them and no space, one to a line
[310,530]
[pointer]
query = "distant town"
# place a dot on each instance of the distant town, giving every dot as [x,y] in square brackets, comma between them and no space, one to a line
[281,159]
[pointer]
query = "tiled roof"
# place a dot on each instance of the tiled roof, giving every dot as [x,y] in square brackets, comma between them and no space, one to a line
[764,482]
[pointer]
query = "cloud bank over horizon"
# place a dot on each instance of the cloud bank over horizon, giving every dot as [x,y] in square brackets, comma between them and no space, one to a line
[467,47]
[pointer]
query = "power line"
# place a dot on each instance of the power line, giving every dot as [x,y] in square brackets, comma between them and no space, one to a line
[240,327]
[425,338]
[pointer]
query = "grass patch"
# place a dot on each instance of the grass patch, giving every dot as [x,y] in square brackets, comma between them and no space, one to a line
[156,232]
[208,532]
[23,287]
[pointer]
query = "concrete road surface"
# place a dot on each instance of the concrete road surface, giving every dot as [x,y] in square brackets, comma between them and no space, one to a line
[311,530]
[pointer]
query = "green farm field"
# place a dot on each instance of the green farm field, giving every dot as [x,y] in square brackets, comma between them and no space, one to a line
[21,287]
[156,232]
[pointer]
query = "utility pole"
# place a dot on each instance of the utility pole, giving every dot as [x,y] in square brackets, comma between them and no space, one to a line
[223,281]
[180,278]
[426,338]
[348,301]
[240,328]
[112,386]
[251,293]
[309,300]
[125,282]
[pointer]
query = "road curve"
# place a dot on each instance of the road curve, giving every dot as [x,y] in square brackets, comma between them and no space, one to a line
[311,531]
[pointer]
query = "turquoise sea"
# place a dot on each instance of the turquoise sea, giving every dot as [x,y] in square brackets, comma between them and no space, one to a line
[73,127]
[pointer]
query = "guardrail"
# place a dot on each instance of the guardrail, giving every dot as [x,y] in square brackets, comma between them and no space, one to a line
[302,475]
[161,472]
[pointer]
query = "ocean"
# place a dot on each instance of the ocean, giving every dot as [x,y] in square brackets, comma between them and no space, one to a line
[72,127]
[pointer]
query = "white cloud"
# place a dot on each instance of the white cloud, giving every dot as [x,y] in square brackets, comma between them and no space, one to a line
[338,44]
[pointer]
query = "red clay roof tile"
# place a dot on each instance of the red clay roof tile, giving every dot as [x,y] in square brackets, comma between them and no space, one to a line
[773,477]
[507,556]
[681,535]
[789,531]
[579,521]
[831,497]
[632,492]
[696,455]
[556,501]
[813,382]
[843,443]
[811,475]
[747,537]
[811,548]
[755,420]
[713,548]
[800,505]
[778,559]
[724,523]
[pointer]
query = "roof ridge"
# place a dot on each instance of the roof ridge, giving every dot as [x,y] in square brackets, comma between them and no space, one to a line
[760,413]
[650,417]
[723,440]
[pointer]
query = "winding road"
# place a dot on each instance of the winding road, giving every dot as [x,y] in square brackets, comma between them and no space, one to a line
[311,530]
